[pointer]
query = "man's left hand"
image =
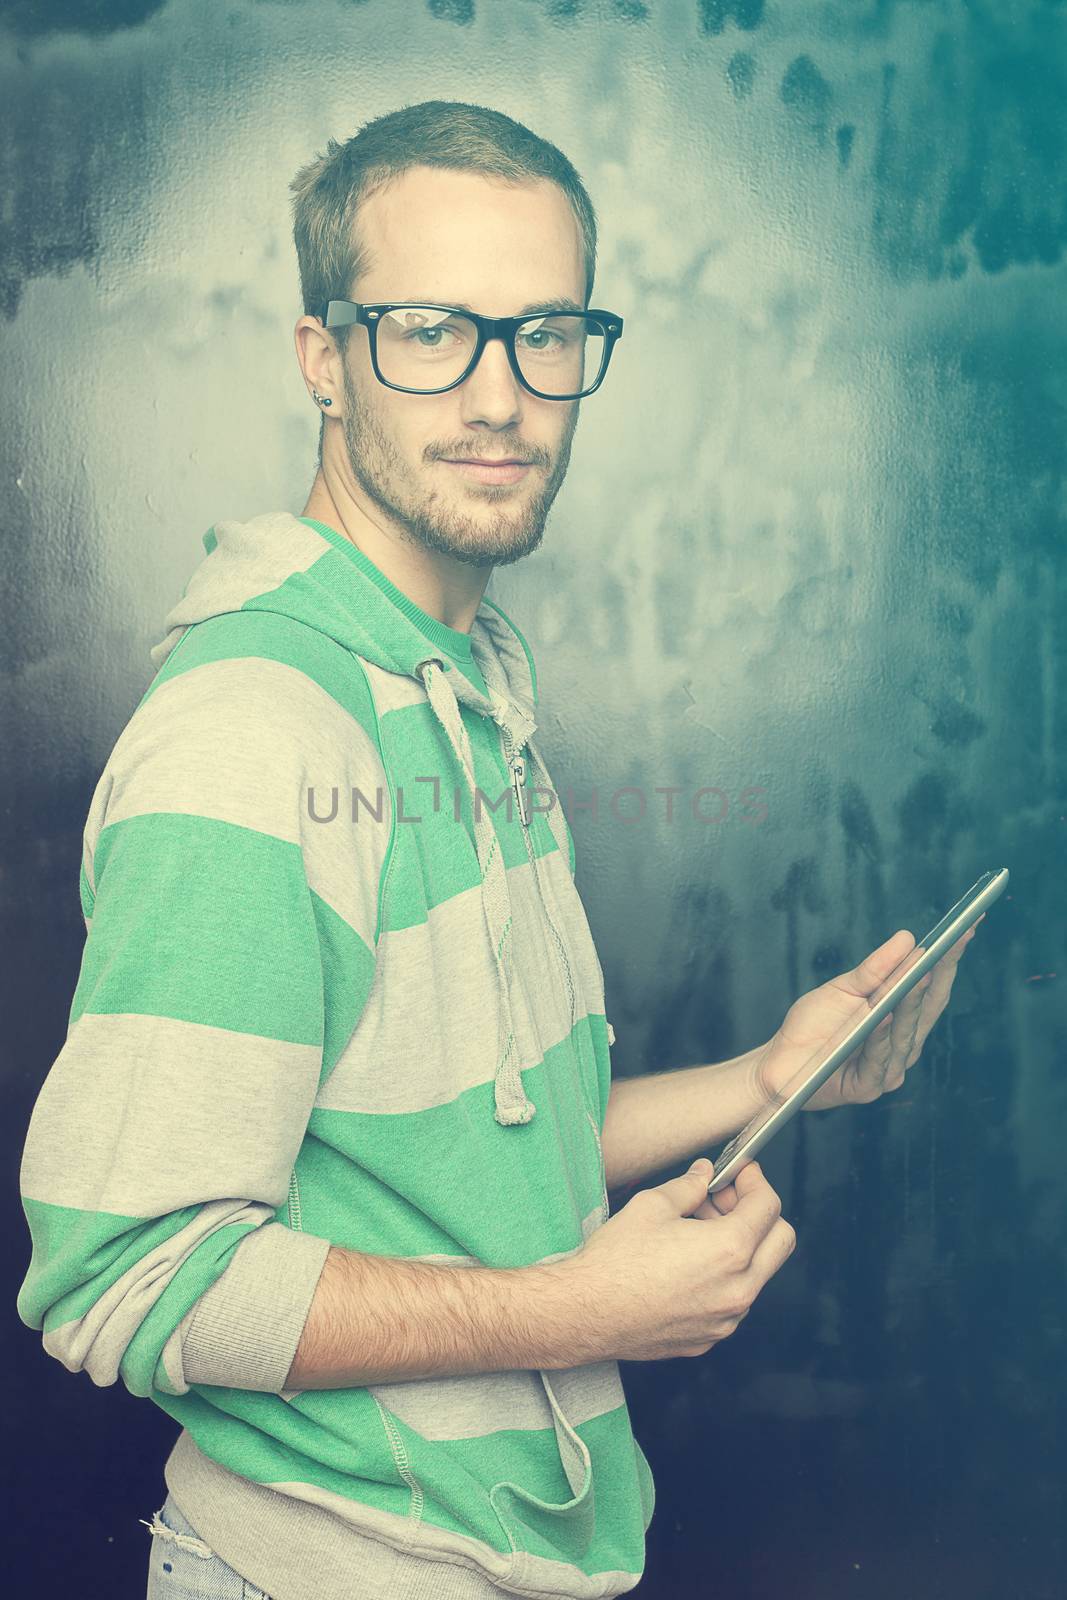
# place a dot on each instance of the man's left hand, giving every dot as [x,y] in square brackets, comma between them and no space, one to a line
[885,1056]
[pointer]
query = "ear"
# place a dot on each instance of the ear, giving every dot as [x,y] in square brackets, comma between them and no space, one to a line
[321,364]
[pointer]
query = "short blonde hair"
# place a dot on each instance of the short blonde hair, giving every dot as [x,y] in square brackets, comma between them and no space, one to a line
[435,133]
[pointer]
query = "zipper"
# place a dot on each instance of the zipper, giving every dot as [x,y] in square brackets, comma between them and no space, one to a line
[293,1204]
[516,765]
[518,778]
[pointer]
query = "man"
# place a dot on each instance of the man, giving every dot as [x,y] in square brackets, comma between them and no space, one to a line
[323,1166]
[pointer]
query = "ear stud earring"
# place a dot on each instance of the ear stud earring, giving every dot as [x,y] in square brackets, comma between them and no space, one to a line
[320,399]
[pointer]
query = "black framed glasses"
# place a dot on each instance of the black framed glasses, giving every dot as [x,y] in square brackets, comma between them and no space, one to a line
[429,349]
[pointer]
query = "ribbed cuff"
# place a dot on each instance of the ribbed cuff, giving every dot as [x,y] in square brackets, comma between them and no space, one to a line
[243,1332]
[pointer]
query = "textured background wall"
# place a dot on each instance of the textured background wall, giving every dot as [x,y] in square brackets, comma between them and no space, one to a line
[810,543]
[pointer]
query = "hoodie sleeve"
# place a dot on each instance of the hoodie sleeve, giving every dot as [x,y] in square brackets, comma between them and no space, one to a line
[229,954]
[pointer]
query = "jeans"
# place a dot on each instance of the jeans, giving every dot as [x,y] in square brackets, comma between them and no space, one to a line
[182,1567]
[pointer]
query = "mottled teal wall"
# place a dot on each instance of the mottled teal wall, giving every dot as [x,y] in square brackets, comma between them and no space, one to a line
[810,545]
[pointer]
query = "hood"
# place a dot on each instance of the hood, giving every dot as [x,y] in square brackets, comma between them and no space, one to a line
[310,572]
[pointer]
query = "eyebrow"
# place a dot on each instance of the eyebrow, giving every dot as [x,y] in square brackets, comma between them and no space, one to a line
[563,303]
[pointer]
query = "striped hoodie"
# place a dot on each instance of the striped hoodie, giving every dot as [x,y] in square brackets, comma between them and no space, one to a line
[338,987]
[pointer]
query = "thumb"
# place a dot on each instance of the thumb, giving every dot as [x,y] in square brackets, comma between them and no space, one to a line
[875,968]
[690,1190]
[694,1190]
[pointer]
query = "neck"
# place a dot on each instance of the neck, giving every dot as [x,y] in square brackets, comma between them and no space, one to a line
[447,589]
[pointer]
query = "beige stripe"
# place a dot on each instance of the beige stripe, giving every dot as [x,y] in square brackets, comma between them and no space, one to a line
[588,1391]
[243,1331]
[250,559]
[223,1504]
[537,1575]
[434,1543]
[141,1114]
[472,1405]
[493,639]
[432,1010]
[574,925]
[96,1341]
[395,691]
[242,741]
[467,1406]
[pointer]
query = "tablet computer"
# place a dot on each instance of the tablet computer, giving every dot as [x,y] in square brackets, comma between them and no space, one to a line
[869,1012]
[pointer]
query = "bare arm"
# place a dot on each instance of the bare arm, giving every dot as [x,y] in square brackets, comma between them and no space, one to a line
[381,1319]
[646,1285]
[659,1118]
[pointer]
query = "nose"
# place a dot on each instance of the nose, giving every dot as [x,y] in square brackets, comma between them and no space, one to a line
[492,393]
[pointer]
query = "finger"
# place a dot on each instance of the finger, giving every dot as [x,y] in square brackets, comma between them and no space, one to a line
[954,951]
[914,1025]
[723,1201]
[882,1059]
[937,986]
[773,1252]
[936,1001]
[876,967]
[867,1069]
[896,1044]
[914,1018]
[946,969]
[750,1176]
[757,1210]
[706,1208]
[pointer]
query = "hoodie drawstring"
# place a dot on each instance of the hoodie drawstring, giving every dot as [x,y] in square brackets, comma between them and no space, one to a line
[512,1104]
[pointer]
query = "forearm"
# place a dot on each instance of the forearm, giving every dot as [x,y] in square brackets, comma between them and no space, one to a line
[660,1118]
[381,1319]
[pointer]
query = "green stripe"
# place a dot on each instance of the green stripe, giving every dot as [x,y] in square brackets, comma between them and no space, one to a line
[372,1182]
[603,1533]
[203,921]
[453,641]
[347,975]
[598,1034]
[238,635]
[78,1255]
[335,1440]
[435,857]
[268,1440]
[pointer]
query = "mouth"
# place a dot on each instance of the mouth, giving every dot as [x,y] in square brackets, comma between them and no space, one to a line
[507,470]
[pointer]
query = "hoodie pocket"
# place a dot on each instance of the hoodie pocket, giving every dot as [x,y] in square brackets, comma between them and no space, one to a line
[545,1529]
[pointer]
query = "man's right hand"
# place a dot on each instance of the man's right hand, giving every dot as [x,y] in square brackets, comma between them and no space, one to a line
[657,1285]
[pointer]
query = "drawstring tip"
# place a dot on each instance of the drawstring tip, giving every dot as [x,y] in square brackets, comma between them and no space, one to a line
[514,1115]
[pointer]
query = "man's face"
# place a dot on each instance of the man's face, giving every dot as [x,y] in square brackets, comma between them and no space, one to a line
[463,238]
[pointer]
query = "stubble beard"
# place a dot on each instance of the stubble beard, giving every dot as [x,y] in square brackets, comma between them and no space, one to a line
[480,539]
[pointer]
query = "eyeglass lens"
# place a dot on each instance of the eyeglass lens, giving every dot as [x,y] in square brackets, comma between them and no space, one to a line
[420,347]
